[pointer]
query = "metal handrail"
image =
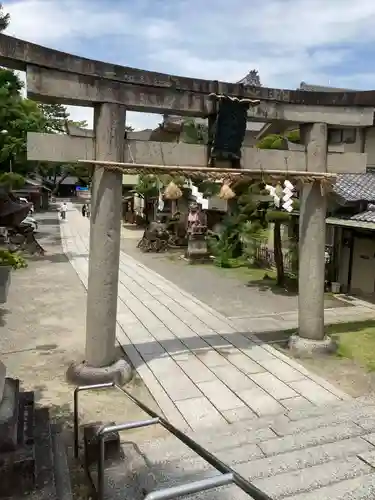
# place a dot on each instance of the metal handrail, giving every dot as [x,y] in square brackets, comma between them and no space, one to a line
[220,466]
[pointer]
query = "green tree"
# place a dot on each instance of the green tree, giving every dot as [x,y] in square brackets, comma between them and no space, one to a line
[149,186]
[55,115]
[193,132]
[17,117]
[11,180]
[279,141]
[244,229]
[4,19]
[277,216]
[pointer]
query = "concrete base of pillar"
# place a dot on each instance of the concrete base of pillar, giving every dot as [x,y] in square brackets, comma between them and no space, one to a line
[82,374]
[302,348]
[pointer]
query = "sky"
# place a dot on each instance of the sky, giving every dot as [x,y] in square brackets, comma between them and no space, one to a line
[323,42]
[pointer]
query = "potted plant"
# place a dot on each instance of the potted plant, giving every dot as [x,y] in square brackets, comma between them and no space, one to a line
[8,261]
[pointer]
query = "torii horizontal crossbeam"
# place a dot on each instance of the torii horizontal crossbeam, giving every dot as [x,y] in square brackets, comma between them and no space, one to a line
[17,54]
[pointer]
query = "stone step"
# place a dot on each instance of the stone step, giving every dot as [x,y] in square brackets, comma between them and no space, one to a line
[313,478]
[301,483]
[339,407]
[285,456]
[261,467]
[360,488]
[280,466]
[171,448]
[263,429]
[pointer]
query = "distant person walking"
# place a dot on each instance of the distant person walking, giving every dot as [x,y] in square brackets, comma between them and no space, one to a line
[84,210]
[63,210]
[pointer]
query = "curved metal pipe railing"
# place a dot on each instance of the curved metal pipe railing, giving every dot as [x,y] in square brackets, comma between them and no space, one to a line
[229,476]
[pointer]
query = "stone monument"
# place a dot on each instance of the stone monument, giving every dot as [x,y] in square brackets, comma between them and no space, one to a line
[197,250]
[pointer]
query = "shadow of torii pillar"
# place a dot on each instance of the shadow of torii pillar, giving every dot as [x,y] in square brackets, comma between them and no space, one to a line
[311,336]
[101,363]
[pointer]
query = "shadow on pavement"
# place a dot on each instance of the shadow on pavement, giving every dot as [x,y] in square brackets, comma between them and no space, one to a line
[214,343]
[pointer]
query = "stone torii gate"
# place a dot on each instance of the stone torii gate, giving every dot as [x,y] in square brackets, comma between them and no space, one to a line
[57,77]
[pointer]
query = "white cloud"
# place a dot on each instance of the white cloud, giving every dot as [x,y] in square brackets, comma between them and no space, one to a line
[286,40]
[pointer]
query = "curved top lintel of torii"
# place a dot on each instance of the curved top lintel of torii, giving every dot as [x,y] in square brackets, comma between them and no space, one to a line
[18,54]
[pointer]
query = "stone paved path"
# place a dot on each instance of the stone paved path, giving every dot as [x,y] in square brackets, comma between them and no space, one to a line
[199,368]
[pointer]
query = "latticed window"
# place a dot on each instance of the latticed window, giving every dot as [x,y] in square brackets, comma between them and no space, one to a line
[342,135]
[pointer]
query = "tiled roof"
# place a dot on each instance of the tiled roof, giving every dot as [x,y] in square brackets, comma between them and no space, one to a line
[367,216]
[363,220]
[356,187]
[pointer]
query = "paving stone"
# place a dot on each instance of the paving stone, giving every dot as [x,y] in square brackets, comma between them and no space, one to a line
[296,403]
[195,369]
[313,437]
[240,341]
[195,343]
[282,370]
[167,406]
[211,358]
[162,364]
[273,386]
[244,363]
[151,350]
[313,477]
[177,385]
[239,414]
[329,387]
[320,381]
[257,353]
[233,378]
[199,412]
[173,345]
[313,392]
[260,402]
[220,396]
[301,459]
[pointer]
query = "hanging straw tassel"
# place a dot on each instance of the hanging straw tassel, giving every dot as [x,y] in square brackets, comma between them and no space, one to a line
[172,192]
[226,193]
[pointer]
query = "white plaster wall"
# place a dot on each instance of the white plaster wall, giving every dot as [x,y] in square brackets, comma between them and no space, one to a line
[369,148]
